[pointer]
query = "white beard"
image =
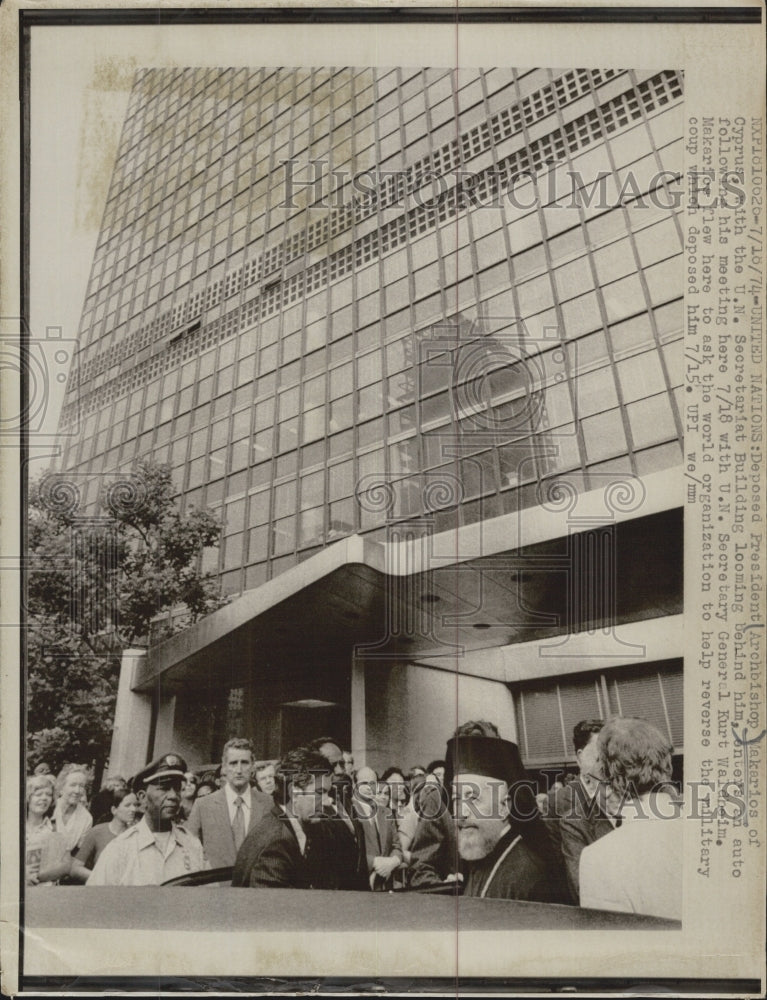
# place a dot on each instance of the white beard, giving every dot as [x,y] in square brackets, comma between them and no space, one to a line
[476,842]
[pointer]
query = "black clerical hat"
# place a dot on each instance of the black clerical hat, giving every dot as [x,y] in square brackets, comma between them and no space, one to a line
[487,755]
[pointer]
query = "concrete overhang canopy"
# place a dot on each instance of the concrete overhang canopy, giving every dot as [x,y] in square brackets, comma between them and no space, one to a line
[430,596]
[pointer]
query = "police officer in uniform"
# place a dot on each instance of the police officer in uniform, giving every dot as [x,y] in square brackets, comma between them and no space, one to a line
[156,848]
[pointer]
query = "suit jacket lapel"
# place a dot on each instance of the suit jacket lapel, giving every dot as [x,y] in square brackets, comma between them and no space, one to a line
[224,814]
[592,813]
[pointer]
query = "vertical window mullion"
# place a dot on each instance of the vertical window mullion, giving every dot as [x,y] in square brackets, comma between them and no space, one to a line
[562,722]
[524,722]
[665,706]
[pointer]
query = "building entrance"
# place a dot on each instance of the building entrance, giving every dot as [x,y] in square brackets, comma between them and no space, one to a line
[309,719]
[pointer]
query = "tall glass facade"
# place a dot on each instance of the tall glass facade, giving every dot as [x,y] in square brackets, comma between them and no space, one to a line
[332,299]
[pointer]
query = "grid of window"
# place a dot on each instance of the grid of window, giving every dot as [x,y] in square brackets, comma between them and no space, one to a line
[463,348]
[481,188]
[653,693]
[502,125]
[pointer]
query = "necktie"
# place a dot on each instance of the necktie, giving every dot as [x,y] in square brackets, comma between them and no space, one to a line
[238,824]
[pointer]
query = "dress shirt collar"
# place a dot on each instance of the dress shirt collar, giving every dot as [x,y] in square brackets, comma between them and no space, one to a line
[231,799]
[590,793]
[146,837]
[298,830]
[340,811]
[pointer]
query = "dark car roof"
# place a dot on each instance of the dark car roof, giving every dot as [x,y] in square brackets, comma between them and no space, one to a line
[207,908]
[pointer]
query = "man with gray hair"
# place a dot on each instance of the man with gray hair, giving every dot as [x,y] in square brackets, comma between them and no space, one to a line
[637,868]
[222,820]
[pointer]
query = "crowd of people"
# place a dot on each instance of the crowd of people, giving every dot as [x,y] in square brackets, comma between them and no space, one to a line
[609,837]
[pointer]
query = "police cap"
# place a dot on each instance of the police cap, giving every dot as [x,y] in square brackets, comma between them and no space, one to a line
[170,765]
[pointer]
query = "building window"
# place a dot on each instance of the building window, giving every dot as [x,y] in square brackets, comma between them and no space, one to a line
[229,718]
[548,710]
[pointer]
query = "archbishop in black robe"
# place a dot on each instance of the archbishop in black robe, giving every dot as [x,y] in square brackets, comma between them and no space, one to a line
[512,870]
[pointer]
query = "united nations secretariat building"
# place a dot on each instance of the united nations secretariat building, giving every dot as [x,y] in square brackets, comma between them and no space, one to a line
[415,335]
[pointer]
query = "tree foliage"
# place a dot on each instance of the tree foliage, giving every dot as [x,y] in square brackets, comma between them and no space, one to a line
[94,585]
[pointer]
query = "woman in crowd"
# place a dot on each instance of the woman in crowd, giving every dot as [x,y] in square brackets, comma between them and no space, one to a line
[436,770]
[207,784]
[70,817]
[115,811]
[47,858]
[188,794]
[382,797]
[395,779]
[265,779]
[408,820]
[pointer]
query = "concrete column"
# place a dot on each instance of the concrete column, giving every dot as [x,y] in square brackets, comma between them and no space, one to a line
[133,720]
[358,713]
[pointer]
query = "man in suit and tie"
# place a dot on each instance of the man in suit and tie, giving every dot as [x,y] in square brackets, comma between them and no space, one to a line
[348,841]
[222,820]
[382,848]
[576,815]
[293,846]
